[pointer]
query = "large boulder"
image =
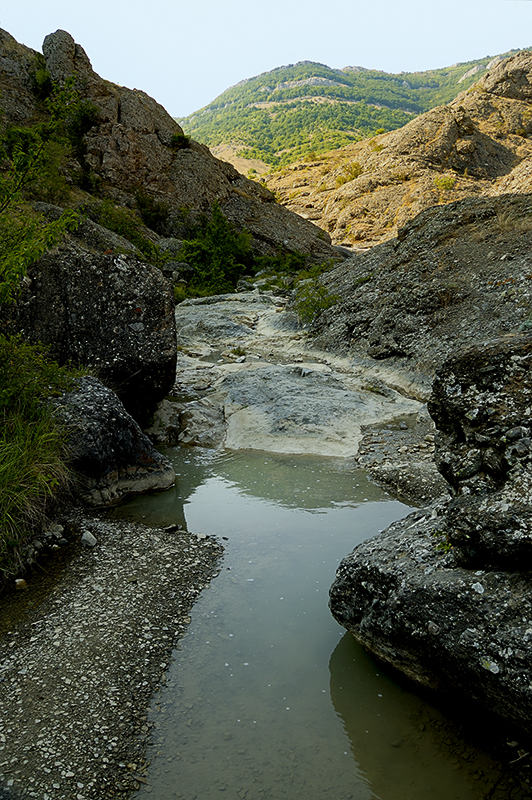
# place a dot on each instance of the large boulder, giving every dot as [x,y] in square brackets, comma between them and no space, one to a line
[111,456]
[464,632]
[445,595]
[112,313]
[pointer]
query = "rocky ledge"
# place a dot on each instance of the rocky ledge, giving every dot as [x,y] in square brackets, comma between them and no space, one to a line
[445,595]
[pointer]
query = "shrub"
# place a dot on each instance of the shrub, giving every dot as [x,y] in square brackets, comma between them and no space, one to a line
[445,182]
[219,254]
[349,173]
[179,141]
[311,298]
[153,212]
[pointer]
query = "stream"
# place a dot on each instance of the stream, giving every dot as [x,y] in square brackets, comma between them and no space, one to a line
[266,695]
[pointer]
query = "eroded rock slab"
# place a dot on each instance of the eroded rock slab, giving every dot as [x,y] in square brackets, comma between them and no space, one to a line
[249,381]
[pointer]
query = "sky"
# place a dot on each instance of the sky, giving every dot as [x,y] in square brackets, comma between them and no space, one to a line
[186,52]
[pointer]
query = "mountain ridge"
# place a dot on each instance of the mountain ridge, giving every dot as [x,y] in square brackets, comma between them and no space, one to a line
[478,144]
[283,115]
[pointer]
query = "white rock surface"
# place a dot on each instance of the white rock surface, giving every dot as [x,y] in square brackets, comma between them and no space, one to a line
[245,366]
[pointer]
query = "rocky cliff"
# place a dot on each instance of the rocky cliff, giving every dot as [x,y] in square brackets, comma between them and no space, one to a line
[479,144]
[133,144]
[453,276]
[445,595]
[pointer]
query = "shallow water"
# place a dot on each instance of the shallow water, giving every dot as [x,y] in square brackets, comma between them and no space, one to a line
[267,696]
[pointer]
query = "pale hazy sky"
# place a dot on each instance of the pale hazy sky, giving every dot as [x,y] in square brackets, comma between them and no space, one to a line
[186,52]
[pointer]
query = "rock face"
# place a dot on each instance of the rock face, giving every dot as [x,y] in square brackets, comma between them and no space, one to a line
[108,451]
[482,406]
[479,144]
[455,275]
[112,313]
[445,595]
[135,145]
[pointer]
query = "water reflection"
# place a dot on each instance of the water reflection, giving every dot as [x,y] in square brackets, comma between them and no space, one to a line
[247,711]
[406,748]
[321,483]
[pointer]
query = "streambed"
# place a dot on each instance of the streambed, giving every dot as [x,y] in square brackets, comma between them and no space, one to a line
[266,695]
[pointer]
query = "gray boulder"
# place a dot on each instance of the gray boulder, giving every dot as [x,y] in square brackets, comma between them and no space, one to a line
[445,595]
[464,632]
[111,313]
[110,454]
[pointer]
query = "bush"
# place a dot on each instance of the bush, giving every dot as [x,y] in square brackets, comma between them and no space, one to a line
[179,141]
[349,173]
[218,253]
[311,298]
[445,182]
[33,456]
[153,212]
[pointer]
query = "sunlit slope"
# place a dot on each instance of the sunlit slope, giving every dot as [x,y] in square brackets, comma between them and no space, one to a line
[303,109]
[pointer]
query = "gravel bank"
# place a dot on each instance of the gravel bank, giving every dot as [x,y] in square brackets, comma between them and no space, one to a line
[78,672]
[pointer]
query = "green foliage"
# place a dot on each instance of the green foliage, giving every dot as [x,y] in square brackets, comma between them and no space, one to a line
[128,224]
[218,253]
[311,298]
[32,445]
[42,83]
[445,182]
[281,263]
[279,116]
[443,543]
[349,173]
[25,237]
[179,141]
[25,155]
[154,213]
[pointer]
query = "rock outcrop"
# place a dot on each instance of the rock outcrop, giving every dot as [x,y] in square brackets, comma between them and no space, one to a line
[482,406]
[111,313]
[445,595]
[479,144]
[111,456]
[454,276]
[135,145]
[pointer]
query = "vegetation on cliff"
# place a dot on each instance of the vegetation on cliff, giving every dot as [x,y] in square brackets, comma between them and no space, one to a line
[303,109]
[33,458]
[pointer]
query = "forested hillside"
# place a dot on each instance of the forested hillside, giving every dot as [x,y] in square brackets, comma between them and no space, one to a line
[306,108]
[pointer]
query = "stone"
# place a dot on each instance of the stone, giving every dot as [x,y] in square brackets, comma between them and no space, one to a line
[88,539]
[108,451]
[481,403]
[111,313]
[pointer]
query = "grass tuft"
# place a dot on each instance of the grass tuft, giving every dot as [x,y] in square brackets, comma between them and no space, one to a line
[33,452]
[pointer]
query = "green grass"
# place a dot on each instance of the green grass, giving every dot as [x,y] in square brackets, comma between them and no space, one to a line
[33,452]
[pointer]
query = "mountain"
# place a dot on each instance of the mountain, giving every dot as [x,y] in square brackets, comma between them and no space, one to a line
[478,144]
[307,108]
